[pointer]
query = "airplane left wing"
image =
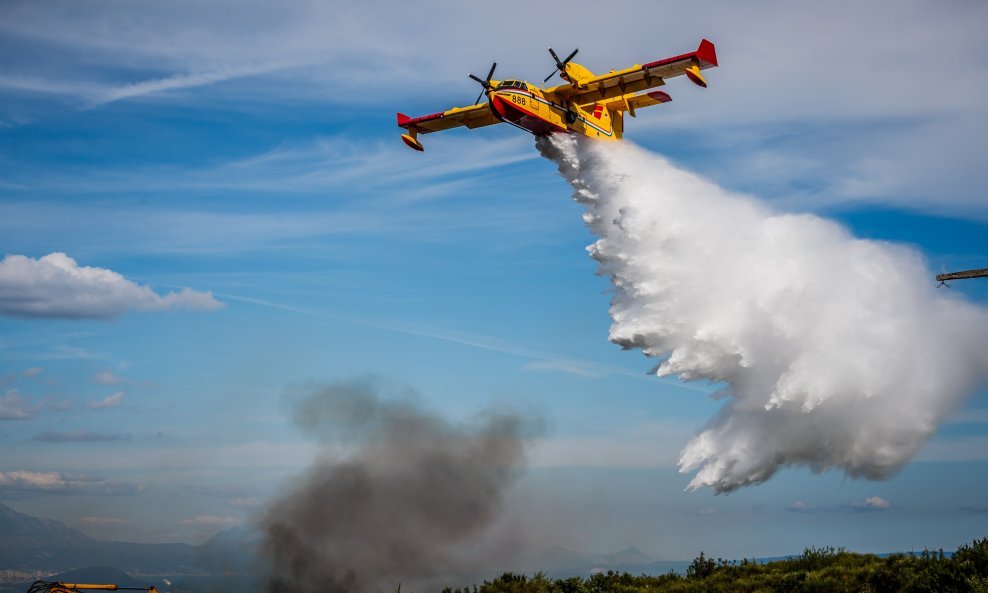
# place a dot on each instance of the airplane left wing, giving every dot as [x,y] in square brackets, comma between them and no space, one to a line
[616,84]
[475,116]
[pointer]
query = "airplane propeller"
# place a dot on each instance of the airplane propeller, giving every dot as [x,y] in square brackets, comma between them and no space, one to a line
[486,83]
[560,66]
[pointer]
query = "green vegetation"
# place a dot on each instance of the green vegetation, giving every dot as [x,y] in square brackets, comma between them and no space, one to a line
[816,570]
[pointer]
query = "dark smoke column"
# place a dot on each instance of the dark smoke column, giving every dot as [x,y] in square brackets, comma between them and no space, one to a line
[407,504]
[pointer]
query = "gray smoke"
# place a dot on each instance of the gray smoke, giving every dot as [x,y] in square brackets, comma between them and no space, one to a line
[398,494]
[834,352]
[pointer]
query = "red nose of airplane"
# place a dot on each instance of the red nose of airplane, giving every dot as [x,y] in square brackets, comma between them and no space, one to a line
[500,106]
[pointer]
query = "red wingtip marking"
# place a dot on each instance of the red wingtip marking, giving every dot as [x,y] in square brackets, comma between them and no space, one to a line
[660,96]
[403,120]
[707,53]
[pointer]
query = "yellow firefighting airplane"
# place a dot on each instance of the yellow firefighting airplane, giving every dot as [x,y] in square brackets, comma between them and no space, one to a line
[589,104]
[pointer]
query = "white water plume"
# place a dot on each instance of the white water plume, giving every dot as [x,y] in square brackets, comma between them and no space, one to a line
[834,352]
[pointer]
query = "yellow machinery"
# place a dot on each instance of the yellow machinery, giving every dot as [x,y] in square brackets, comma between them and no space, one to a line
[56,587]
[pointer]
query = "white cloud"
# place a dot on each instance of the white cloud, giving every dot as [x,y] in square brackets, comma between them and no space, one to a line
[564,366]
[249,501]
[55,286]
[80,436]
[107,378]
[872,503]
[211,521]
[24,483]
[97,520]
[110,401]
[13,406]
[182,81]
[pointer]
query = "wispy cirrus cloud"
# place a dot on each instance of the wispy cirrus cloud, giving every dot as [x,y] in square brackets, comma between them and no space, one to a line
[215,490]
[543,360]
[328,187]
[107,378]
[13,406]
[18,483]
[210,521]
[872,504]
[11,377]
[56,287]
[839,134]
[183,81]
[111,401]
[80,436]
[800,506]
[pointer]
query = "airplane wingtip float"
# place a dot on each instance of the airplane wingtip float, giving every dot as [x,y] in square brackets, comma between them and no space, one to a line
[590,104]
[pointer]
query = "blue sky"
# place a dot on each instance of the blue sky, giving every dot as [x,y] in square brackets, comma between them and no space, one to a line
[249,151]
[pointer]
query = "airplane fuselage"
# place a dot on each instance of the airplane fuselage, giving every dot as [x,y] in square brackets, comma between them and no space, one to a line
[527,107]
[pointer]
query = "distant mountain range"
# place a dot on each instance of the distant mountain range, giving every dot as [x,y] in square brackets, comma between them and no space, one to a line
[31,547]
[560,562]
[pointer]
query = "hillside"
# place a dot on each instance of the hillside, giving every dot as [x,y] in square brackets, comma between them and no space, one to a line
[816,571]
[30,544]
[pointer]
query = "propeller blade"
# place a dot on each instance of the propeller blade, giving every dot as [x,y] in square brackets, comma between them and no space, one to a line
[560,65]
[486,83]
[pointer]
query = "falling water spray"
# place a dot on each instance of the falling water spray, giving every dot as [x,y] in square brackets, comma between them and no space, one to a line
[833,352]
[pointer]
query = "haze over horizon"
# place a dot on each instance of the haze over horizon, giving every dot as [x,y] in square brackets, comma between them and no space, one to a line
[198,214]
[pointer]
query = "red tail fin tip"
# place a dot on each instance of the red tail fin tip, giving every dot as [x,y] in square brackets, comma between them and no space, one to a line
[707,53]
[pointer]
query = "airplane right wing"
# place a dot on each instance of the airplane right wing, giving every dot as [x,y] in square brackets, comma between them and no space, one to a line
[639,77]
